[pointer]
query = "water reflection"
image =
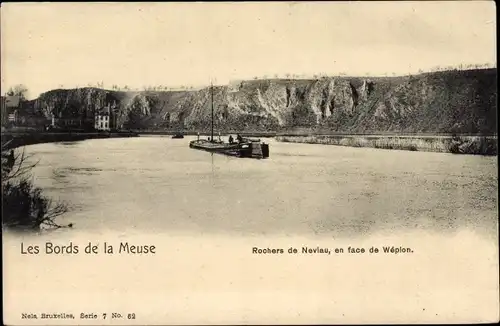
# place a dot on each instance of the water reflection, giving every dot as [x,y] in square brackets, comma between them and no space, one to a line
[66,143]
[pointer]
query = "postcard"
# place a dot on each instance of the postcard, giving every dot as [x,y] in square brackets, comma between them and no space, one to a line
[249,163]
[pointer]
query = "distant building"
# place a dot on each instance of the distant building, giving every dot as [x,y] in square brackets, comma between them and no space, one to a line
[9,109]
[13,117]
[104,118]
[71,121]
[101,120]
[66,123]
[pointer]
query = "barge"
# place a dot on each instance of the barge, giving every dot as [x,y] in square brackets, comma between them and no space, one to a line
[244,147]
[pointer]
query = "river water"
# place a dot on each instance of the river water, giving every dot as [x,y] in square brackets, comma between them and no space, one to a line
[205,213]
[158,184]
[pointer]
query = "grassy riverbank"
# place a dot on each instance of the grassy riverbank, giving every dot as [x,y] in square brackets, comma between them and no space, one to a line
[478,145]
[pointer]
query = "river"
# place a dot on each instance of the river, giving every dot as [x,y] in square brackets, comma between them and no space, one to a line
[205,213]
[159,184]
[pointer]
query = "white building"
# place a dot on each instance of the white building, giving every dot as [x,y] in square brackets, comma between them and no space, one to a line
[10,106]
[13,117]
[104,118]
[102,122]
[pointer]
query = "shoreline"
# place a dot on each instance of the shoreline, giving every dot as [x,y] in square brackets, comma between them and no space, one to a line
[303,133]
[18,139]
[440,143]
[471,145]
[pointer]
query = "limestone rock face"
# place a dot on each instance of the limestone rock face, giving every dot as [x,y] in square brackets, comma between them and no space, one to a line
[449,101]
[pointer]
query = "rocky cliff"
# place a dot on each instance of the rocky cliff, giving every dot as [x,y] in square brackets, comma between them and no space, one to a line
[439,102]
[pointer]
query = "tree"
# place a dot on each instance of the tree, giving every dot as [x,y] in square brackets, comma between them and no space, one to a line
[18,90]
[24,207]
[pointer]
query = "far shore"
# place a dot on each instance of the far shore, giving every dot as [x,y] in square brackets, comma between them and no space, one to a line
[303,133]
[475,145]
[444,143]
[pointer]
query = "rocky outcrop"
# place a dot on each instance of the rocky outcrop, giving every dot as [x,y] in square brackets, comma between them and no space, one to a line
[440,102]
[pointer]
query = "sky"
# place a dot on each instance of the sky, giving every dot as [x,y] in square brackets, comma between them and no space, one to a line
[65,45]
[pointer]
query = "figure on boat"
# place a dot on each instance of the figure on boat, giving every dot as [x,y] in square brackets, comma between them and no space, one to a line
[243,147]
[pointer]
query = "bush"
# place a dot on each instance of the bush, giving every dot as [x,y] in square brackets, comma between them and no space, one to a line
[473,145]
[24,207]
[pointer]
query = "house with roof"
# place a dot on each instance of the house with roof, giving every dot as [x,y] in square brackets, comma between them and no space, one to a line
[104,118]
[58,121]
[10,106]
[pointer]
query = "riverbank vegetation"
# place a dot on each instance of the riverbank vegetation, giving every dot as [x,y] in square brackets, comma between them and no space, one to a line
[477,145]
[24,207]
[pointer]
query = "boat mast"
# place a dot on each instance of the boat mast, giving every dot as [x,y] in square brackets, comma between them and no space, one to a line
[212,133]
